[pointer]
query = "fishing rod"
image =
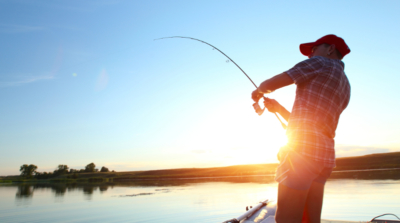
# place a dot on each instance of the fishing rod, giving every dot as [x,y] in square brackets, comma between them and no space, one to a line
[255,105]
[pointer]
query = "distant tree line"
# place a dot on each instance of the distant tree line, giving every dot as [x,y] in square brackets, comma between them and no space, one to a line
[29,171]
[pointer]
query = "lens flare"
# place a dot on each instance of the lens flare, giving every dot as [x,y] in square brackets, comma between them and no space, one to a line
[102,81]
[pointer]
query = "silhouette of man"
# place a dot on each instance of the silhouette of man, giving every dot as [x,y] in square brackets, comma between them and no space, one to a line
[322,93]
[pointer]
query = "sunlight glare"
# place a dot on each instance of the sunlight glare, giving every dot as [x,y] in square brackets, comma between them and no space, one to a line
[239,137]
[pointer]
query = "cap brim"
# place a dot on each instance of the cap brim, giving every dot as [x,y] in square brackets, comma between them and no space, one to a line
[306,48]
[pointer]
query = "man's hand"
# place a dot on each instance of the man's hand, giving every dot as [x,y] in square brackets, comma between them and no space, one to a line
[272,105]
[256,95]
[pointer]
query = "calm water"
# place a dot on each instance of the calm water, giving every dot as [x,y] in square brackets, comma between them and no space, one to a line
[214,200]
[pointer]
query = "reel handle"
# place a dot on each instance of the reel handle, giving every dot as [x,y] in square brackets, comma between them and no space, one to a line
[258,109]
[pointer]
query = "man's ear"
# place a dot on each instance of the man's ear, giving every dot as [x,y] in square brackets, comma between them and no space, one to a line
[332,48]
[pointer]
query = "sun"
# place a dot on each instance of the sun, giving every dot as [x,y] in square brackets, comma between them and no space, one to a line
[237,137]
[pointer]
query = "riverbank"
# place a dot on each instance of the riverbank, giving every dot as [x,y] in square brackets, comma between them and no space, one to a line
[374,166]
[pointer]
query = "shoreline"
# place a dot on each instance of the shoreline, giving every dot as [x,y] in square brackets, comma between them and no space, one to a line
[387,173]
[373,166]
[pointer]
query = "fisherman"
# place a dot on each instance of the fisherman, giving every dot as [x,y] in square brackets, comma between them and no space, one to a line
[322,93]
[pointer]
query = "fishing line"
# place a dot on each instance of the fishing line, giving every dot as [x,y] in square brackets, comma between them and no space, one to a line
[213,48]
[260,111]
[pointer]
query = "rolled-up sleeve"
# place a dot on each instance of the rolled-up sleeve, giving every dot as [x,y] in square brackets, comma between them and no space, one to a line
[306,70]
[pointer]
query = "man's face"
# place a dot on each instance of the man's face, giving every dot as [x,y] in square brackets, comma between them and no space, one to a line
[319,50]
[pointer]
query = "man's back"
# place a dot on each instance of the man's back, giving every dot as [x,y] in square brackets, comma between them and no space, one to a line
[323,92]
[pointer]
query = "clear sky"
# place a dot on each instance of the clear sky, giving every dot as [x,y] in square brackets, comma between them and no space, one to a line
[84,81]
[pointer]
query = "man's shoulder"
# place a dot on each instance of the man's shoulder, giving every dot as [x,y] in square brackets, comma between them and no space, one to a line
[316,62]
[326,61]
[320,59]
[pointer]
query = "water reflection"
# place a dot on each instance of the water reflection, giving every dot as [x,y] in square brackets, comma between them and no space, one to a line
[202,199]
[26,190]
[58,189]
[103,188]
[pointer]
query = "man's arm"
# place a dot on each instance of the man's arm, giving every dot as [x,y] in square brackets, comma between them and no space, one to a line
[270,85]
[276,82]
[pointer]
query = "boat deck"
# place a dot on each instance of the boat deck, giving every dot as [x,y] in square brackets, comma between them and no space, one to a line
[266,214]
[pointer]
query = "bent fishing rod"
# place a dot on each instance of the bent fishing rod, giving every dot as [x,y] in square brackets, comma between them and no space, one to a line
[255,105]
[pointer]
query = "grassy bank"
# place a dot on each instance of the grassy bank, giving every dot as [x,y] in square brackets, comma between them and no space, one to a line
[373,161]
[5,181]
[368,162]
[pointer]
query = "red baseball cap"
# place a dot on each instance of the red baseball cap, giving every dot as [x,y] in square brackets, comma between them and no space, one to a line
[341,46]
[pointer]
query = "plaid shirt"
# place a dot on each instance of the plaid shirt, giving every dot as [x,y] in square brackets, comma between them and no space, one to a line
[323,92]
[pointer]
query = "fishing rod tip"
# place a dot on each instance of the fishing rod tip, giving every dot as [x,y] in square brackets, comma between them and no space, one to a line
[162,38]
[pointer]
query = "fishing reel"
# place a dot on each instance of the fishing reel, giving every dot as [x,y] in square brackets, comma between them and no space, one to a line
[257,107]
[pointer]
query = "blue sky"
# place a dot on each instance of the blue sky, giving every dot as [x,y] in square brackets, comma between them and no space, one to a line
[84,81]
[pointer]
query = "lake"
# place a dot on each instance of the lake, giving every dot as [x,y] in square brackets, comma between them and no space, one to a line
[189,200]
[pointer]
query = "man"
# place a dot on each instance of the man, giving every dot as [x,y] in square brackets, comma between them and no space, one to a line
[322,93]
